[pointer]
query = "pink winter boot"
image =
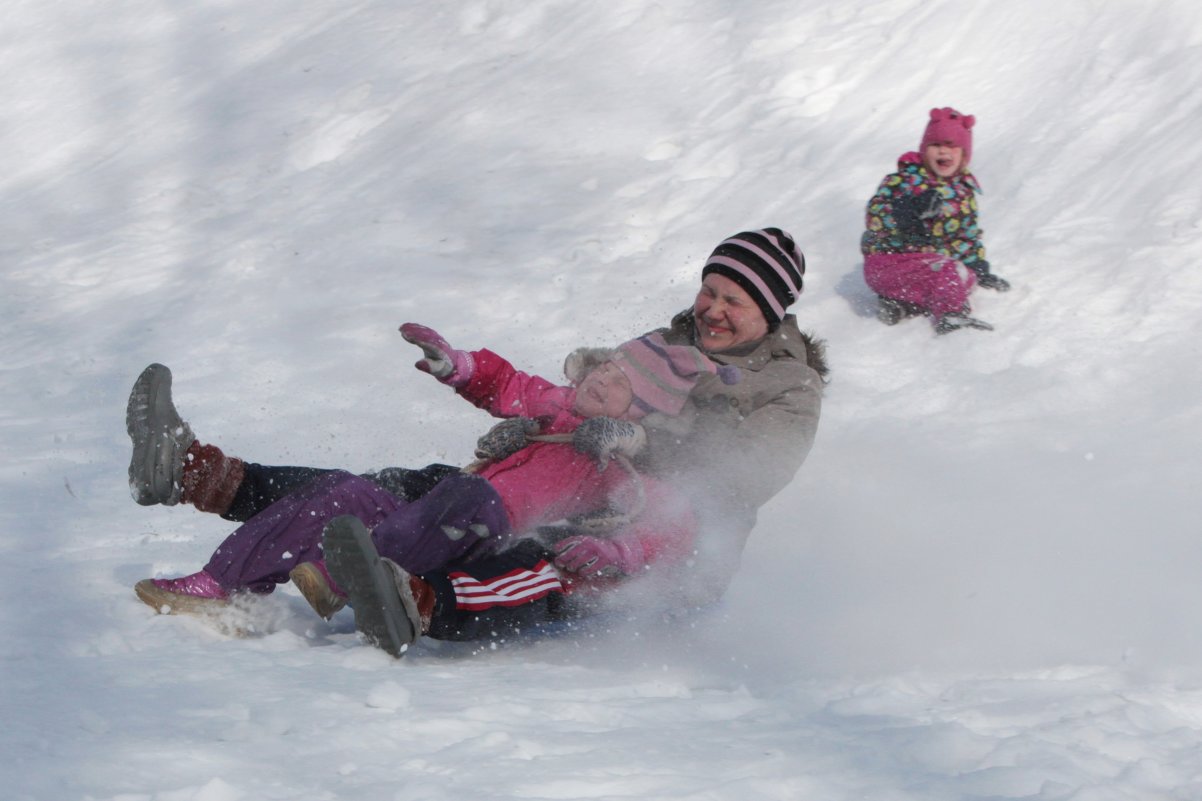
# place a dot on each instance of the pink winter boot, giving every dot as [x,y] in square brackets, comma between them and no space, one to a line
[314,583]
[198,593]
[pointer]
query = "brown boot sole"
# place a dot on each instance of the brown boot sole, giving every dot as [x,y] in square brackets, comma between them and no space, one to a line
[313,587]
[220,613]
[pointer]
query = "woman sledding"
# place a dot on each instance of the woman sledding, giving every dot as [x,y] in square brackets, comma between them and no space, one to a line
[467,517]
[729,448]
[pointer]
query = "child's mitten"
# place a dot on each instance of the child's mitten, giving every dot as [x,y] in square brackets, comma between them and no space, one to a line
[450,366]
[505,438]
[604,437]
[591,556]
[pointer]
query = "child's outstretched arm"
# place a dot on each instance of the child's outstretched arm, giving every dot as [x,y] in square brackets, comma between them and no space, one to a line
[486,380]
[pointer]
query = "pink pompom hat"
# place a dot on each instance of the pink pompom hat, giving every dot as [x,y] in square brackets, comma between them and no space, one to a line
[949,125]
[662,376]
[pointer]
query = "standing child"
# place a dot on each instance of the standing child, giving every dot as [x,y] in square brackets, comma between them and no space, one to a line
[922,246]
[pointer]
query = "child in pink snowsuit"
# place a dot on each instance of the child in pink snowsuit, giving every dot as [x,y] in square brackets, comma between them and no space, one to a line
[468,517]
[922,246]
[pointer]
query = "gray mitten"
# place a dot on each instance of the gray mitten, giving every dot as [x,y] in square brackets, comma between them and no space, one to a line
[604,437]
[505,438]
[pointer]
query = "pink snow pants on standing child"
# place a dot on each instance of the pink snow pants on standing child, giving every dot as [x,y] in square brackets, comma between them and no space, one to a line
[936,283]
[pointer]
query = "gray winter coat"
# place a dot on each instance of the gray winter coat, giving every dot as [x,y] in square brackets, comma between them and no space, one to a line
[736,446]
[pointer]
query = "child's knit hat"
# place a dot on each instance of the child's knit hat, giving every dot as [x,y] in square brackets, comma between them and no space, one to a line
[767,264]
[949,125]
[661,376]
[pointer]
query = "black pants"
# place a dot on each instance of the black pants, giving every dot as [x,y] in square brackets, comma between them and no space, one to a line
[263,485]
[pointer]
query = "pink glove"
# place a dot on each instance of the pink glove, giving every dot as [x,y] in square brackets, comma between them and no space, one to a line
[590,556]
[450,366]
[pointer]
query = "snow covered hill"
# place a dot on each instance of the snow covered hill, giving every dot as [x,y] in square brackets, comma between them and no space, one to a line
[984,584]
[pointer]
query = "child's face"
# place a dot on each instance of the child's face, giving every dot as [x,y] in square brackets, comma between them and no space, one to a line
[943,158]
[605,392]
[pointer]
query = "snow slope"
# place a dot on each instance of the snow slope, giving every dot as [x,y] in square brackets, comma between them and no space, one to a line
[982,585]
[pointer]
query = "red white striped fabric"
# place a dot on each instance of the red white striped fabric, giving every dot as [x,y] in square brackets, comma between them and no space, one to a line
[514,588]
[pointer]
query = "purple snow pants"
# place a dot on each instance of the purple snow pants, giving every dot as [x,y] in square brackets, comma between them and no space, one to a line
[460,518]
[936,283]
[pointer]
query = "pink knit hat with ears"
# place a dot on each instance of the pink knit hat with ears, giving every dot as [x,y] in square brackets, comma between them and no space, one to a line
[662,376]
[949,125]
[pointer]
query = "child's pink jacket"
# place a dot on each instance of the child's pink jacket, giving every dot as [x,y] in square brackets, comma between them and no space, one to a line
[545,482]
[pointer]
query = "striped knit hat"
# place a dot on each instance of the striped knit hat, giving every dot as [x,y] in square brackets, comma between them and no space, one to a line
[767,264]
[662,376]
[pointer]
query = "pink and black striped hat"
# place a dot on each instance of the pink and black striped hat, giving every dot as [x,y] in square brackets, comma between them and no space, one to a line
[767,264]
[661,376]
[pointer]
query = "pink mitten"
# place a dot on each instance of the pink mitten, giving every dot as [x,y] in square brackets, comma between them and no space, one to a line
[591,556]
[450,366]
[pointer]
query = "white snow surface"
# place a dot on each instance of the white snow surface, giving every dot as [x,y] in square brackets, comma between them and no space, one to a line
[983,584]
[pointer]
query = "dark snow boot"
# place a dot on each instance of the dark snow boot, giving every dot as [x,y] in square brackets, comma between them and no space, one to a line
[994,282]
[891,312]
[386,613]
[986,279]
[160,439]
[957,320]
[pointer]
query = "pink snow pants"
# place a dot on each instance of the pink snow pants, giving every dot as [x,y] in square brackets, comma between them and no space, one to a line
[936,283]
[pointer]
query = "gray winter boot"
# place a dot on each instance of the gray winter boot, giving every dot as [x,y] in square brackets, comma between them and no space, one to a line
[386,612]
[160,439]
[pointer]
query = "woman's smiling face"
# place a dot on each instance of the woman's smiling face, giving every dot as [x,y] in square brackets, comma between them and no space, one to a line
[726,316]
